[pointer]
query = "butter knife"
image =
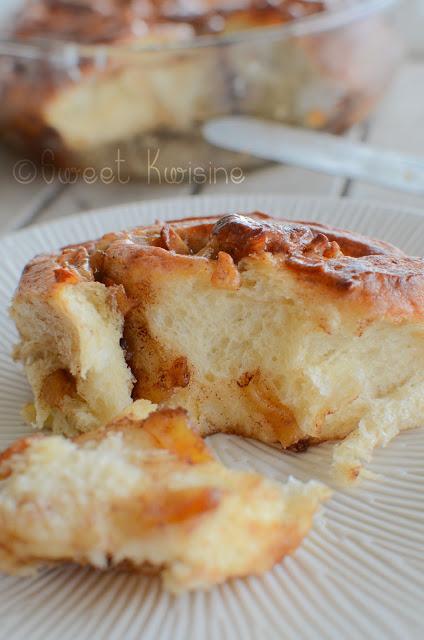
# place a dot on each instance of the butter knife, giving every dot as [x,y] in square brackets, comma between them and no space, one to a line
[318,151]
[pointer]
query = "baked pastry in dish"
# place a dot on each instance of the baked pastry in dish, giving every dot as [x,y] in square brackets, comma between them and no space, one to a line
[106,75]
[288,332]
[144,492]
[103,21]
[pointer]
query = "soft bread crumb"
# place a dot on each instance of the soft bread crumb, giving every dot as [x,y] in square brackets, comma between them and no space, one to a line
[70,347]
[145,492]
[388,417]
[269,364]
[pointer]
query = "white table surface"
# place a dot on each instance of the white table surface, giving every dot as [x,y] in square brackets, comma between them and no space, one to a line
[398,124]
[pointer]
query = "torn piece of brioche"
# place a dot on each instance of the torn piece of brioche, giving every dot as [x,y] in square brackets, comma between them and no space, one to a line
[70,328]
[146,492]
[291,333]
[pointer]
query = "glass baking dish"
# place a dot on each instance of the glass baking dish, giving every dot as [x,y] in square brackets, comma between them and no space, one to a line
[132,110]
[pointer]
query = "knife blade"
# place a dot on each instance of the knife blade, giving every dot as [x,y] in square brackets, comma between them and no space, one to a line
[318,151]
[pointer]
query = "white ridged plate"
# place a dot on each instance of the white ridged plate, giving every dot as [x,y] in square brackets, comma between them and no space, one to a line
[358,575]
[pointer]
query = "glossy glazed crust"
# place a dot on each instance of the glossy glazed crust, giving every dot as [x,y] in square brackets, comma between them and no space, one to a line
[342,264]
[45,273]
